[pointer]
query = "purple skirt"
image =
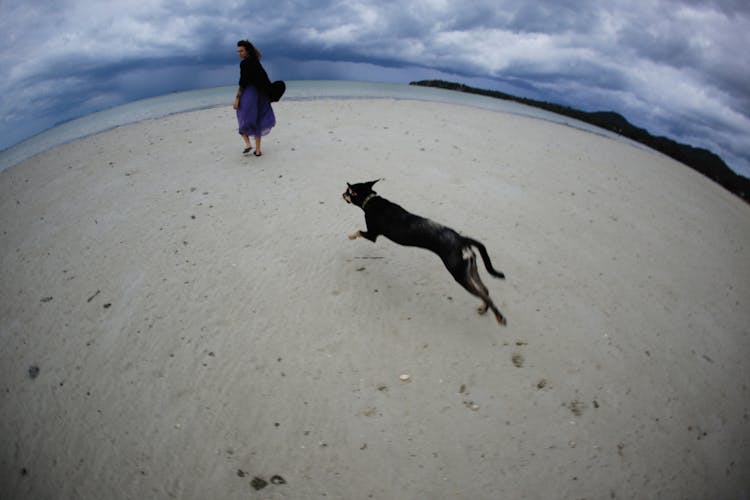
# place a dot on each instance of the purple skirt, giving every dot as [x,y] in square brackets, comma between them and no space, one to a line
[255,115]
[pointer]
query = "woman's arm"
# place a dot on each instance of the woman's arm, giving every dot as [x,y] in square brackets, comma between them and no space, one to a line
[237,98]
[244,81]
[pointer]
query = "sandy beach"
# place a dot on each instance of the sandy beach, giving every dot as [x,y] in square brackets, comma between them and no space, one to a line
[180,321]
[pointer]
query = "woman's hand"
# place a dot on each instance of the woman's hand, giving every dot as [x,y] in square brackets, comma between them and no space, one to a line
[236,102]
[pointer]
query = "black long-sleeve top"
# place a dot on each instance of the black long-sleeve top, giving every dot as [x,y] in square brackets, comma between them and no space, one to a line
[252,73]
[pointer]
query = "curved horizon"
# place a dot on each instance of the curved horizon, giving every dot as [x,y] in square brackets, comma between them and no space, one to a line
[190,100]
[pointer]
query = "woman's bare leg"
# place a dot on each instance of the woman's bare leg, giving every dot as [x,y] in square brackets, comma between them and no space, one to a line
[248,146]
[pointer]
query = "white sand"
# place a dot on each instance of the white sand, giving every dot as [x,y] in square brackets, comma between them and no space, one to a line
[197,316]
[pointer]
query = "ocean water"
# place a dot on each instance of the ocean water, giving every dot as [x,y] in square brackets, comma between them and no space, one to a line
[164,105]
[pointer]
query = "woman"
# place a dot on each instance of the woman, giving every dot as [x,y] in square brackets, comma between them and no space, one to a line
[254,113]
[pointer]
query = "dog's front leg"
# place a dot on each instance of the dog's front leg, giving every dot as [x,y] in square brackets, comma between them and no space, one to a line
[363,234]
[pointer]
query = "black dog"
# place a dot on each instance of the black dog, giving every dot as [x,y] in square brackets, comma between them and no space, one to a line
[404,228]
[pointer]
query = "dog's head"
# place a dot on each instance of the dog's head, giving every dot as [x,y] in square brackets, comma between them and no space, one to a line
[358,193]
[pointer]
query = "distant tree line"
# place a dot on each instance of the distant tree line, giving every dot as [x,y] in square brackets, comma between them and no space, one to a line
[702,160]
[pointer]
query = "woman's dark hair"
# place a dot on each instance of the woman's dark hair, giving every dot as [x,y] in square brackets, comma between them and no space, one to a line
[251,50]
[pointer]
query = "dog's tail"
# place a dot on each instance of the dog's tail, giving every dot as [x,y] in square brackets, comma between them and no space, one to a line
[485,258]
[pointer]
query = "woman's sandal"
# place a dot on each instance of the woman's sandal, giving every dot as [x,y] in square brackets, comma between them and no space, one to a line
[247,150]
[258,154]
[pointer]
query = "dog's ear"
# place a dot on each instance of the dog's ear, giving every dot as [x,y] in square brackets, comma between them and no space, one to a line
[372,183]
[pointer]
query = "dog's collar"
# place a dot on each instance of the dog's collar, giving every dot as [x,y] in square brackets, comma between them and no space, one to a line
[369,197]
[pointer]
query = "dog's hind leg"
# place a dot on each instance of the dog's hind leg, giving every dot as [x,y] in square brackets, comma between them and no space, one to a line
[487,301]
[476,281]
[467,275]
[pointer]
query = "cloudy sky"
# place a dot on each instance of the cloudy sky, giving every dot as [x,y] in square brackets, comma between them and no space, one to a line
[679,68]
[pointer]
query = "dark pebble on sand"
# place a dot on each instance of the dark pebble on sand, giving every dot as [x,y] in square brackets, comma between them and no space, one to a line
[258,483]
[47,299]
[33,372]
[278,480]
[517,360]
